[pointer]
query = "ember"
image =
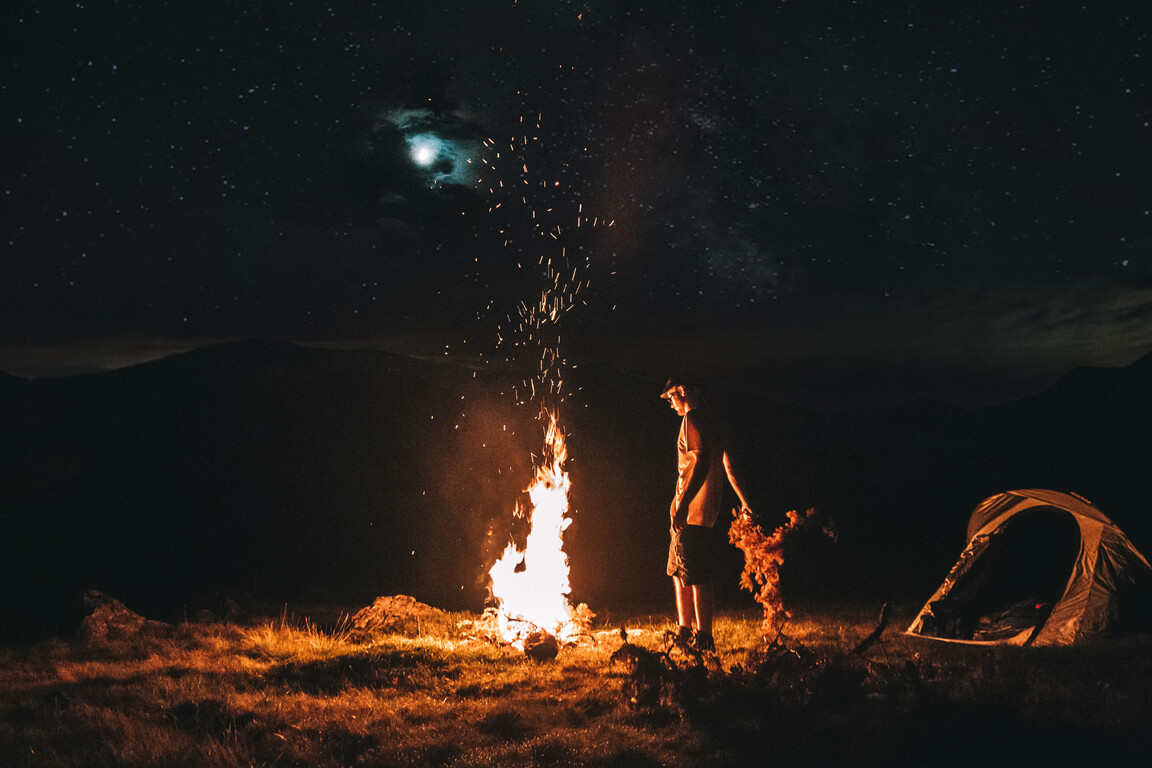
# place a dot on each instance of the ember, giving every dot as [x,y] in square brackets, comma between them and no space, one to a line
[530,586]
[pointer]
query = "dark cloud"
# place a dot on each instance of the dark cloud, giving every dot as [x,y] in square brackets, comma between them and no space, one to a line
[90,356]
[970,347]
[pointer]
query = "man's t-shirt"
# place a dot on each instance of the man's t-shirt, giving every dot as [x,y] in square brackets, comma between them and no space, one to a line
[700,461]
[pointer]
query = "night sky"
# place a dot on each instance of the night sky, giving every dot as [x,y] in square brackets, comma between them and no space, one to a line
[949,200]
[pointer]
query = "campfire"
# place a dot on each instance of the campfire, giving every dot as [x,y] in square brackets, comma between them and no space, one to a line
[530,584]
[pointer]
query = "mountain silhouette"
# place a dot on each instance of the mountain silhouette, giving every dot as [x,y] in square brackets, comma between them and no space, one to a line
[287,473]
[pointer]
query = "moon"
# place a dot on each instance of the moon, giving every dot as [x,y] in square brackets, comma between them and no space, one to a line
[424,153]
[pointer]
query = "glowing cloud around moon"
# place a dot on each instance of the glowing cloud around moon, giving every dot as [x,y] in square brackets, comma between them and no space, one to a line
[443,160]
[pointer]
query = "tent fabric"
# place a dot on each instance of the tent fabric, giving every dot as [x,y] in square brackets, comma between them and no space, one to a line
[1106,570]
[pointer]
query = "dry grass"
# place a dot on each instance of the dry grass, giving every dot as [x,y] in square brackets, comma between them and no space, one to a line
[288,692]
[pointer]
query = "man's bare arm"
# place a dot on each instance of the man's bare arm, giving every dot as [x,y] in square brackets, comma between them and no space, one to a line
[736,486]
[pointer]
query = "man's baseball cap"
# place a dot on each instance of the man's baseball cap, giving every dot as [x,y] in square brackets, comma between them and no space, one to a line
[673,382]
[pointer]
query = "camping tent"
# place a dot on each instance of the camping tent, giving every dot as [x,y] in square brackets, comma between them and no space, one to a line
[1040,567]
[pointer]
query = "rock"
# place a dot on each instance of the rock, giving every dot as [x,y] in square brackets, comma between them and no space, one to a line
[234,613]
[110,621]
[387,613]
[224,610]
[205,616]
[541,646]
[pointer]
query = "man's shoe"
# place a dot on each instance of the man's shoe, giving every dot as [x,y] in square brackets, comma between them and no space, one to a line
[704,642]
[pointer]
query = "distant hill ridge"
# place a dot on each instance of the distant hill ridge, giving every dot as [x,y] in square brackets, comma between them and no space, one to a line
[287,472]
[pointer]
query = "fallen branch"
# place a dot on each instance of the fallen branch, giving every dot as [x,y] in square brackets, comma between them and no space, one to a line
[881,625]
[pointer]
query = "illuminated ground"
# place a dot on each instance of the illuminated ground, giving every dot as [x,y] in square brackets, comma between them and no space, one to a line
[287,693]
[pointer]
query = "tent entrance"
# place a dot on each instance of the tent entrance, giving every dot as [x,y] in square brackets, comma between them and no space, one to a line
[1008,580]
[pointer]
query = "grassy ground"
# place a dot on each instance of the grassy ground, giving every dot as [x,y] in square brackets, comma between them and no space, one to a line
[287,693]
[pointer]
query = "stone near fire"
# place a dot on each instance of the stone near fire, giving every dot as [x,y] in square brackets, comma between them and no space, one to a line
[110,621]
[389,612]
[541,646]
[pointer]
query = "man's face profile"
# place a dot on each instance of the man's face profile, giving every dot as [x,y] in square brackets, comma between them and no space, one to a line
[676,400]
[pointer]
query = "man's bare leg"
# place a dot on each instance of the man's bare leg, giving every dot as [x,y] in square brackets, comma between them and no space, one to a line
[704,601]
[685,603]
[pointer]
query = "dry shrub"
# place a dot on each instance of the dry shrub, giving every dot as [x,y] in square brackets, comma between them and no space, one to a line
[668,680]
[763,556]
[651,677]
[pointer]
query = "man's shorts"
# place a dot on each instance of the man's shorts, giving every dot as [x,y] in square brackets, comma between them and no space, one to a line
[692,555]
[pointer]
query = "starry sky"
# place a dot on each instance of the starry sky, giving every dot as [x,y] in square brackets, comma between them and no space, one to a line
[946,200]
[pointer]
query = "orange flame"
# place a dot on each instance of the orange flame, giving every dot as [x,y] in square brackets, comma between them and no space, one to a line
[531,586]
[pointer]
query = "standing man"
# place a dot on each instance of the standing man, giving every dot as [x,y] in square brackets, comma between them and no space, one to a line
[702,462]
